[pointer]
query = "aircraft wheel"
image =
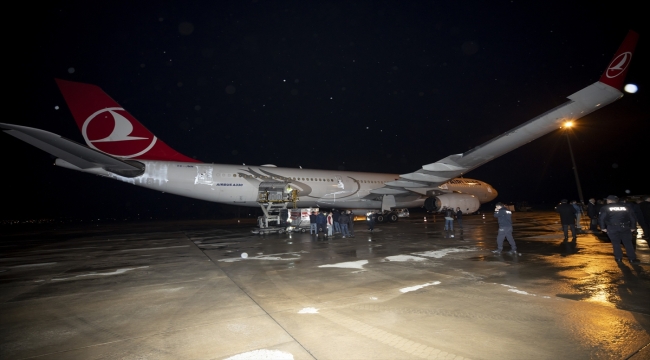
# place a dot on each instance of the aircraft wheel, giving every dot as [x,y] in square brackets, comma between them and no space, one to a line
[392,217]
[381,218]
[303,230]
[281,231]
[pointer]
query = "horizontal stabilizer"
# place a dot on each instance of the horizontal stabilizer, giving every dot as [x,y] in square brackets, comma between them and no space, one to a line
[72,152]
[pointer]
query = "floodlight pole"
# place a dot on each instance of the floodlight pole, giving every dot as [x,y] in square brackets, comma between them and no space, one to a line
[575,169]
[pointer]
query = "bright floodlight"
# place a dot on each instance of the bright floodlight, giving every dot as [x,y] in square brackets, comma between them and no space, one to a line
[631,88]
[568,124]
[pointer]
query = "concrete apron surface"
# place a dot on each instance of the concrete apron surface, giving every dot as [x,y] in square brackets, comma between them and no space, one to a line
[407,290]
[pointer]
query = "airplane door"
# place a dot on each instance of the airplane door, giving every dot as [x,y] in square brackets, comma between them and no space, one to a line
[203,175]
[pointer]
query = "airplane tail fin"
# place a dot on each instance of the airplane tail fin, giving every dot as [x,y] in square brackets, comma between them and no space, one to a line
[617,69]
[107,127]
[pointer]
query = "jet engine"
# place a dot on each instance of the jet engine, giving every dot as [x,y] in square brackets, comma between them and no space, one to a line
[466,202]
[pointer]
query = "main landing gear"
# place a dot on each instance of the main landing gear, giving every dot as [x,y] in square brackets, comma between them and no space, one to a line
[387,217]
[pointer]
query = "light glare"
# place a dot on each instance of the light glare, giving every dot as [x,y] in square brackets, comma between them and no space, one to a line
[631,88]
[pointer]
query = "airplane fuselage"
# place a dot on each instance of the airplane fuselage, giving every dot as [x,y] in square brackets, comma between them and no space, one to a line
[239,184]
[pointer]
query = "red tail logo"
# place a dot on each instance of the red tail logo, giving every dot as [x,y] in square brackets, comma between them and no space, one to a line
[111,131]
[618,65]
[107,127]
[615,73]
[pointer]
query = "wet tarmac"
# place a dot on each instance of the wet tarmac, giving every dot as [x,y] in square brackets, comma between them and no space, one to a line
[408,290]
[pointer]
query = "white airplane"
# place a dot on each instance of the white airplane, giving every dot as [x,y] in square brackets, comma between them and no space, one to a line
[121,148]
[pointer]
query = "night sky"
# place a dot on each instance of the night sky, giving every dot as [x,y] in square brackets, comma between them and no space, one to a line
[378,86]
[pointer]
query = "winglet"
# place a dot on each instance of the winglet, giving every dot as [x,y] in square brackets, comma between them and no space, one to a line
[617,69]
[108,128]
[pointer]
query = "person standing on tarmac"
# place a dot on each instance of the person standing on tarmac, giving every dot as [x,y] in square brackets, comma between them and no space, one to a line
[335,218]
[579,214]
[330,224]
[504,218]
[370,218]
[459,217]
[313,226]
[344,220]
[567,219]
[449,218]
[321,220]
[636,209]
[618,221]
[640,219]
[645,211]
[593,214]
[351,224]
[599,205]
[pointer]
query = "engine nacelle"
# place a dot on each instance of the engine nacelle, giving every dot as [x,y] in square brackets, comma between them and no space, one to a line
[466,202]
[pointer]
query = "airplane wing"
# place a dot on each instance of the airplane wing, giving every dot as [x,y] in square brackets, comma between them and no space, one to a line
[72,152]
[581,103]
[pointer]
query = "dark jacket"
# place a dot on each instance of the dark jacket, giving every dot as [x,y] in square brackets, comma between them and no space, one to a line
[567,213]
[591,210]
[645,210]
[459,214]
[313,219]
[321,219]
[638,214]
[344,219]
[448,213]
[617,217]
[598,206]
[335,216]
[504,216]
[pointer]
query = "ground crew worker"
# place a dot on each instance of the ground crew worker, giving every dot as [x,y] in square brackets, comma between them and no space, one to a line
[579,213]
[618,221]
[313,225]
[335,218]
[645,211]
[321,220]
[370,218]
[504,217]
[449,218]
[330,224]
[344,220]
[593,214]
[567,218]
[351,223]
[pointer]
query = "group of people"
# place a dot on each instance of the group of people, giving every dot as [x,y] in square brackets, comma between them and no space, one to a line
[619,221]
[617,218]
[450,214]
[332,222]
[640,208]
